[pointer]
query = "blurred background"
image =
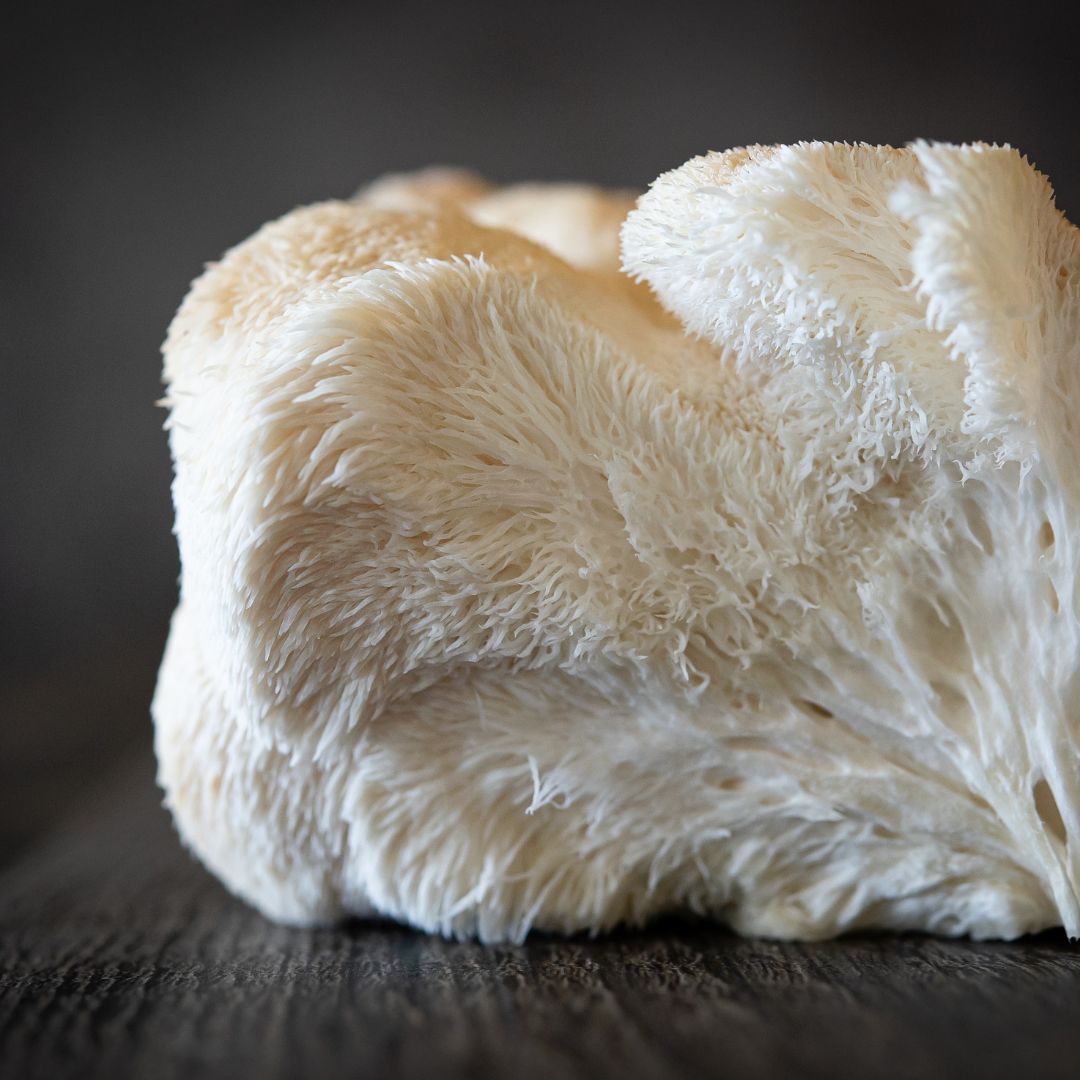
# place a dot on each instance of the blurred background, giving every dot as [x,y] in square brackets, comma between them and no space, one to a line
[138,141]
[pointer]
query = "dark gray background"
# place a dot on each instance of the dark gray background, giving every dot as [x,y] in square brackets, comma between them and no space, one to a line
[139,141]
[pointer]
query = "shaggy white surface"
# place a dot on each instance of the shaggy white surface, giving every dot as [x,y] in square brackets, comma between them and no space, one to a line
[508,603]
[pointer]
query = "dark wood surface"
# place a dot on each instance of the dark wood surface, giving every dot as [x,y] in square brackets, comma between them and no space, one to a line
[121,957]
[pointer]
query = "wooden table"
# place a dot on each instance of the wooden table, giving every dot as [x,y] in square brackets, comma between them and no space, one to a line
[121,957]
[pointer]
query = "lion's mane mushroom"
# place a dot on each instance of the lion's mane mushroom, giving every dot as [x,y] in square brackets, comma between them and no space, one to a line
[513,597]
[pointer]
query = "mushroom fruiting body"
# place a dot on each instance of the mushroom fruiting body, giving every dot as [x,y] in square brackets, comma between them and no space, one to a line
[521,591]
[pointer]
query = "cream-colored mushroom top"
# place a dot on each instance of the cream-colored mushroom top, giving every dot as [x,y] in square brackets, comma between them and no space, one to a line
[522,588]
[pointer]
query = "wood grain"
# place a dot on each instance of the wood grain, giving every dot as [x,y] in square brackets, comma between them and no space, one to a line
[121,957]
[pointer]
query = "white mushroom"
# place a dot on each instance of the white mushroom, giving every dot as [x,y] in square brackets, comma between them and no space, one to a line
[512,599]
